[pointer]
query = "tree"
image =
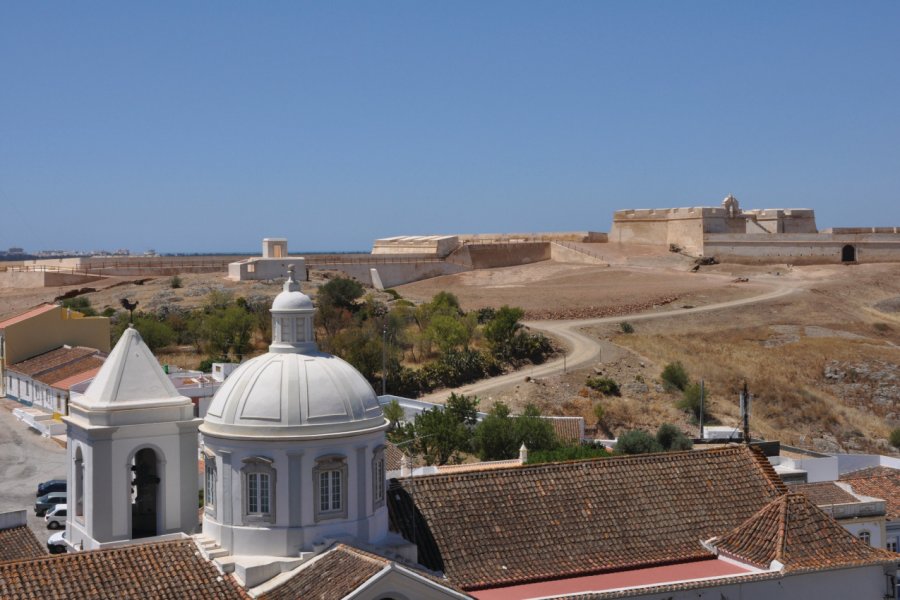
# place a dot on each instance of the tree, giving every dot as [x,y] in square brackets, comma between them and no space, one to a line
[341,292]
[448,332]
[675,377]
[393,412]
[464,409]
[672,438]
[154,333]
[690,401]
[499,331]
[81,304]
[536,433]
[637,441]
[495,438]
[440,436]
[895,438]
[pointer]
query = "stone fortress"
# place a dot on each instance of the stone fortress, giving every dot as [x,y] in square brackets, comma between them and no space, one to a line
[772,235]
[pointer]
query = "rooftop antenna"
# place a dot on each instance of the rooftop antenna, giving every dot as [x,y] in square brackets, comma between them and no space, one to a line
[745,413]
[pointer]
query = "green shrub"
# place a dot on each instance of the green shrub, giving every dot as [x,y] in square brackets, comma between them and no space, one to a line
[598,412]
[393,293]
[637,441]
[604,385]
[672,438]
[563,453]
[626,327]
[690,401]
[81,304]
[895,438]
[675,377]
[175,282]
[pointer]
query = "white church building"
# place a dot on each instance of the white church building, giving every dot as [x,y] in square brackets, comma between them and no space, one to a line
[296,504]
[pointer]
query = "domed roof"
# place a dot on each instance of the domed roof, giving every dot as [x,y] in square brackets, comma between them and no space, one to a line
[292,298]
[293,395]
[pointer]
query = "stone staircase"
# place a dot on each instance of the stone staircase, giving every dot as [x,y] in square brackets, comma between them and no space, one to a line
[208,547]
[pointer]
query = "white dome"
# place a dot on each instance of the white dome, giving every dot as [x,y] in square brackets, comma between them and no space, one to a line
[293,395]
[292,300]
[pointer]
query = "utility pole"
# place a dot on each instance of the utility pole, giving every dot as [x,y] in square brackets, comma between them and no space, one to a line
[384,359]
[745,413]
[701,409]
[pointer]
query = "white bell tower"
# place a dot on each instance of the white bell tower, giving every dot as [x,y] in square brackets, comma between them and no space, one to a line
[132,452]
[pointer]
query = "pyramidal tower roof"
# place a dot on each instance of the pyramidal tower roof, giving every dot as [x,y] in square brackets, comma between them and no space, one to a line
[130,378]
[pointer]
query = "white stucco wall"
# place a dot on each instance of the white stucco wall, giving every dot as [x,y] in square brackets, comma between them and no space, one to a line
[845,584]
[295,527]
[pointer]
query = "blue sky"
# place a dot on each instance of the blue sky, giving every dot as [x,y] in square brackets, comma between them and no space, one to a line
[206,126]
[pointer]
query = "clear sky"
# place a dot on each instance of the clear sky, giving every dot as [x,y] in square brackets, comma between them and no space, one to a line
[206,126]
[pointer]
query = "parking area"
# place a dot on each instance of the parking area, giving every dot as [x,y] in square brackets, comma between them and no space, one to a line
[26,459]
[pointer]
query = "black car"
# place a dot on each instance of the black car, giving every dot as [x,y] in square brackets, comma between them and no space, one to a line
[54,485]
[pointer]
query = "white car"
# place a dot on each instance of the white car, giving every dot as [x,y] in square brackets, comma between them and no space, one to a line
[56,517]
[57,543]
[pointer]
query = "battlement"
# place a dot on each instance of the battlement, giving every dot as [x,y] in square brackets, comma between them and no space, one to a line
[655,214]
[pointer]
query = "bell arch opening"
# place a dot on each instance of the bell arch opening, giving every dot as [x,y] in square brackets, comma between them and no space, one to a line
[145,489]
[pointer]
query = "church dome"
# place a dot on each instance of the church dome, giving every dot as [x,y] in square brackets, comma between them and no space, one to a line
[293,395]
[294,390]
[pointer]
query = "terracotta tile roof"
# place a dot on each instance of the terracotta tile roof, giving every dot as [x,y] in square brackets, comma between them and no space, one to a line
[67,383]
[32,312]
[824,493]
[878,471]
[164,570]
[568,430]
[330,576]
[887,488]
[19,543]
[43,363]
[74,368]
[531,523]
[392,457]
[796,533]
[335,575]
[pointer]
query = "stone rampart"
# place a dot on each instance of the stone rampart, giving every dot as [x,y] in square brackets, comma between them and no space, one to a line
[489,256]
[393,274]
[35,279]
[810,248]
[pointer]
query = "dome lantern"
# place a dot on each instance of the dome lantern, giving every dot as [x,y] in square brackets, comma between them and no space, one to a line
[292,320]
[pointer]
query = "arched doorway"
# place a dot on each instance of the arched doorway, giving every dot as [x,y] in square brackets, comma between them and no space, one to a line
[848,253]
[144,493]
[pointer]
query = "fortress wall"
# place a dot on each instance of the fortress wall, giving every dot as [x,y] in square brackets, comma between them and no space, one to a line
[545,236]
[686,234]
[489,256]
[36,279]
[653,232]
[799,248]
[394,274]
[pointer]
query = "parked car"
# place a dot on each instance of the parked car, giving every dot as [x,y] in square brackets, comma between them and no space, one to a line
[54,485]
[48,501]
[57,543]
[56,517]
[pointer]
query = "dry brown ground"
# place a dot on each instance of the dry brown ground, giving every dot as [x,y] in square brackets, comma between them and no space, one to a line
[550,289]
[822,362]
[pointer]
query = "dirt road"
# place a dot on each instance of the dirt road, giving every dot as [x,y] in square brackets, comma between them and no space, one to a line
[581,349]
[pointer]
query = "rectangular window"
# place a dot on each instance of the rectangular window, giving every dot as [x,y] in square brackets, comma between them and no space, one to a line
[253,493]
[379,479]
[892,544]
[329,491]
[210,491]
[263,493]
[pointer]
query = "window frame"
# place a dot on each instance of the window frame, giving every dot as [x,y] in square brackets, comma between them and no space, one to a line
[379,481]
[210,471]
[330,465]
[254,466]
[865,536]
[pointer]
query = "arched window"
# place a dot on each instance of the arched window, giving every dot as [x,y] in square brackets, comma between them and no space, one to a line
[330,487]
[865,536]
[258,498]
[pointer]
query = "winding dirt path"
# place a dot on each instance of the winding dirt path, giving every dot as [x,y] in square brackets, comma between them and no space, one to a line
[582,349]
